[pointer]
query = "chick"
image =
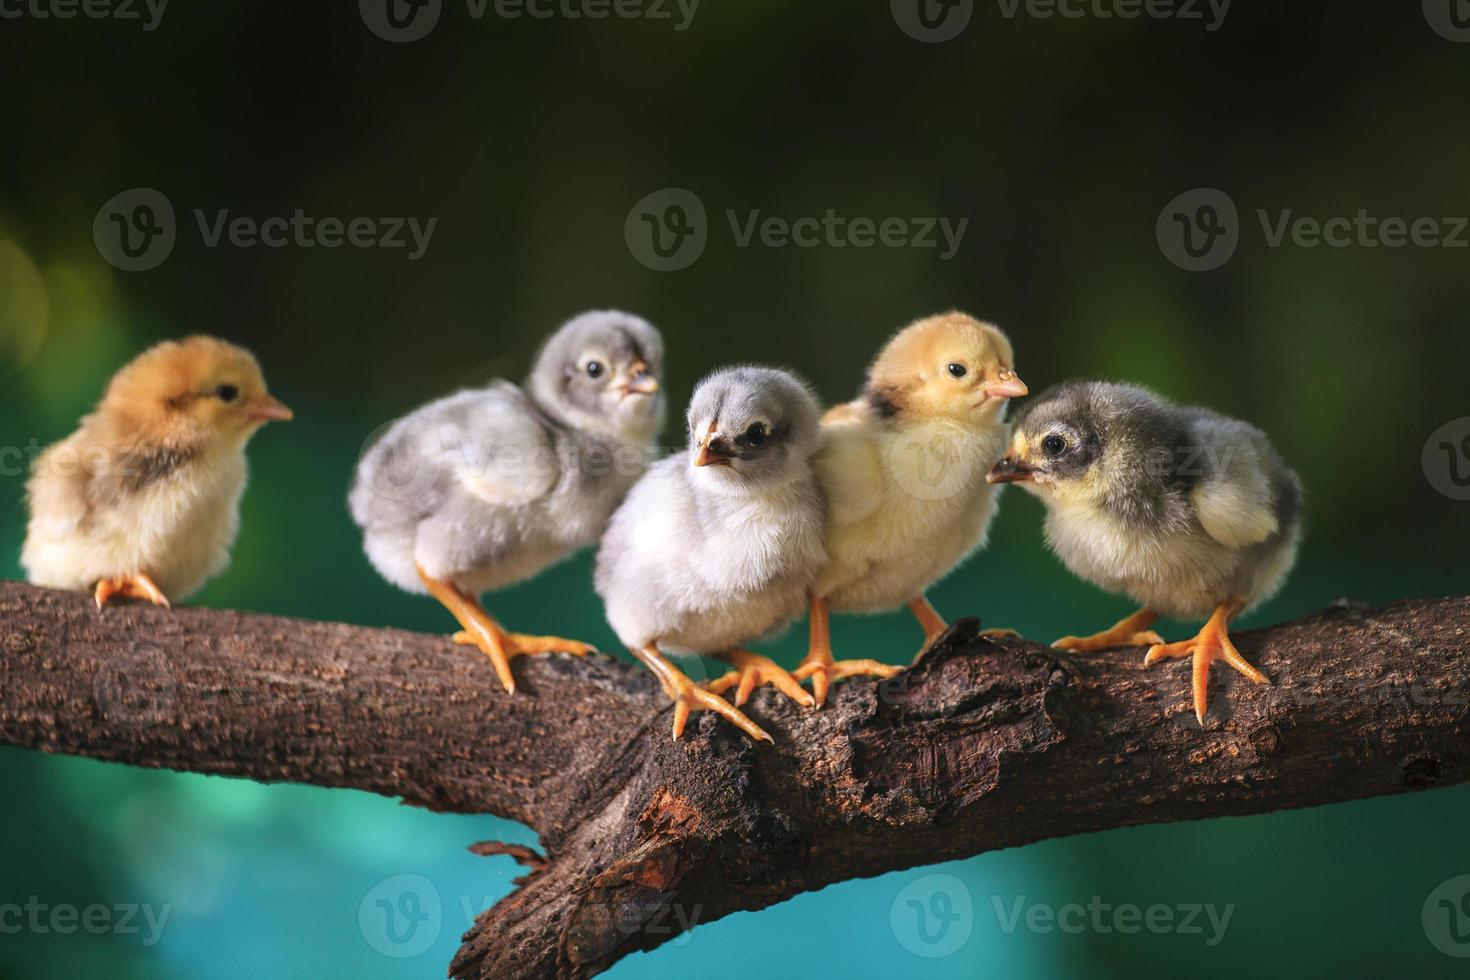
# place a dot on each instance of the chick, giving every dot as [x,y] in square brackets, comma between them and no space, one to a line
[490,486]
[716,547]
[143,500]
[903,468]
[1189,513]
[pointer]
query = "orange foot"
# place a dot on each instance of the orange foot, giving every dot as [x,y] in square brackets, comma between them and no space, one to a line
[751,671]
[689,696]
[1212,643]
[133,586]
[1131,632]
[819,664]
[481,631]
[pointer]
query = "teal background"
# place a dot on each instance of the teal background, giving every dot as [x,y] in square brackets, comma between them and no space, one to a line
[530,140]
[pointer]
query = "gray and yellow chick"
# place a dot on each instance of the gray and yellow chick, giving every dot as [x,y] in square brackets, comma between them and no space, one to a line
[1189,513]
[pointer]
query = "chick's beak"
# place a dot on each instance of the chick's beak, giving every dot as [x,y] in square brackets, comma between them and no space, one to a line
[1007,384]
[712,451]
[1010,470]
[642,381]
[267,409]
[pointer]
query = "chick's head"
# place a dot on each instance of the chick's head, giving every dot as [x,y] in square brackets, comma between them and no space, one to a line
[198,391]
[1084,442]
[752,428]
[946,367]
[600,373]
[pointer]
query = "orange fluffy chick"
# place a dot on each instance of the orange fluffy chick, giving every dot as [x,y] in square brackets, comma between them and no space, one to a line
[143,499]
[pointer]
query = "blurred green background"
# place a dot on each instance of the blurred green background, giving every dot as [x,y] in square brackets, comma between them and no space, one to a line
[1061,140]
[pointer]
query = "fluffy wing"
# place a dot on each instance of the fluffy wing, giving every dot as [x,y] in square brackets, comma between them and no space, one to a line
[58,491]
[491,442]
[1233,498]
[850,466]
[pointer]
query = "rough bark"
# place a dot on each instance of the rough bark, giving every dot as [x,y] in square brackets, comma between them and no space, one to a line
[985,743]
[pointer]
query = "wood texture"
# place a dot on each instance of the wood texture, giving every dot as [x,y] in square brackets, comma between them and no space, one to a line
[985,743]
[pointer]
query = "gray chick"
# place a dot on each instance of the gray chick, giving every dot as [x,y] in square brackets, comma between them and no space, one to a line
[488,487]
[717,546]
[1189,513]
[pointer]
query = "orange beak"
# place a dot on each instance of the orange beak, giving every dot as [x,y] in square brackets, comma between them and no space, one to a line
[710,453]
[267,409]
[1007,385]
[643,382]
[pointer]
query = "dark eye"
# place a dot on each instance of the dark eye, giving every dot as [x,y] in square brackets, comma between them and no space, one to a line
[1053,446]
[958,370]
[227,393]
[594,369]
[756,434]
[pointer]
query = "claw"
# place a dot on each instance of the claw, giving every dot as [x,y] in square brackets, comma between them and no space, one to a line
[1211,644]
[753,670]
[1130,632]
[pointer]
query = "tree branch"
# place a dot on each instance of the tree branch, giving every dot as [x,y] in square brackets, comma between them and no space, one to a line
[985,743]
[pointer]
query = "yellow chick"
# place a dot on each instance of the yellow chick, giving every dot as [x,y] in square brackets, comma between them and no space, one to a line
[904,471]
[143,499]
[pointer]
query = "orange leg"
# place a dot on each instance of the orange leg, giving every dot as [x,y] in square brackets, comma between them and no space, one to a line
[480,630]
[689,696]
[136,585]
[1130,632]
[752,670]
[819,664]
[1211,644]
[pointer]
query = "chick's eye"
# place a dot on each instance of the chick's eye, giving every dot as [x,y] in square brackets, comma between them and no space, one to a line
[227,393]
[594,369]
[958,370]
[756,434]
[1053,445]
